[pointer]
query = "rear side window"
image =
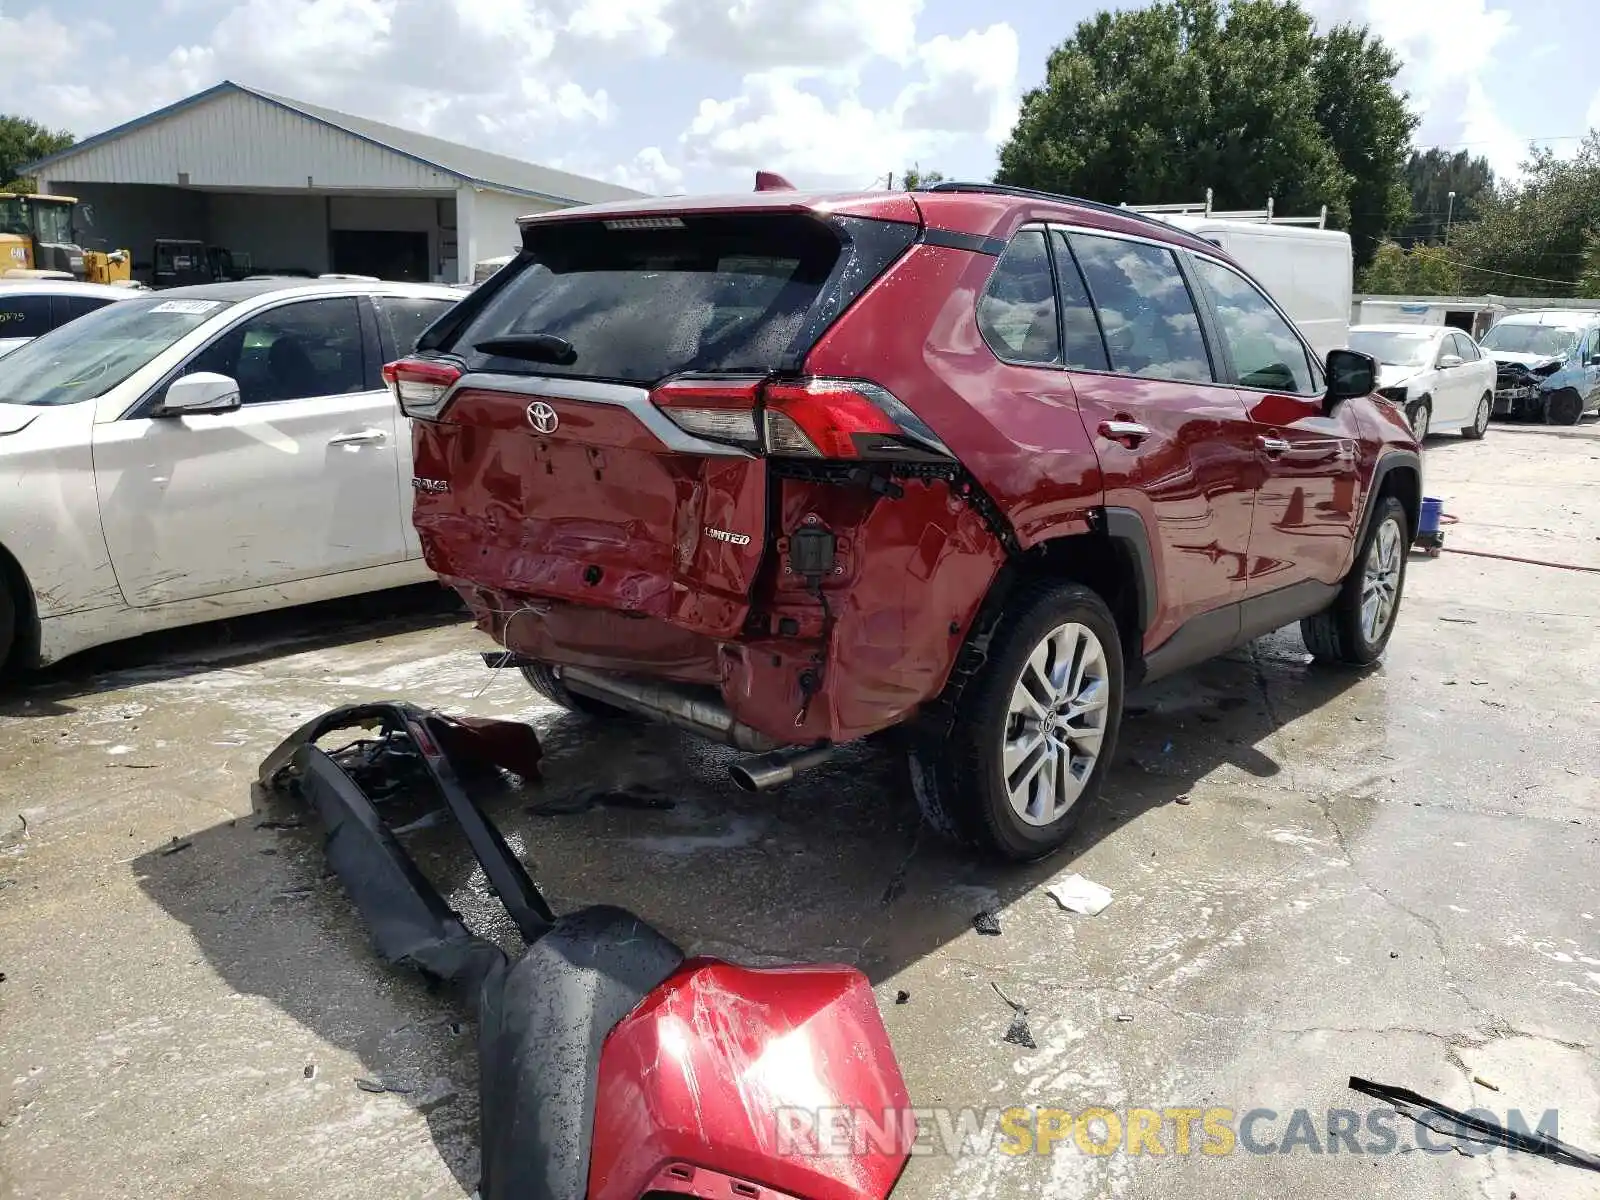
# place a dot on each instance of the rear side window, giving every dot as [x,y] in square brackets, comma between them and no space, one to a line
[639,302]
[1465,348]
[1149,319]
[407,316]
[1266,352]
[24,316]
[1085,348]
[1017,313]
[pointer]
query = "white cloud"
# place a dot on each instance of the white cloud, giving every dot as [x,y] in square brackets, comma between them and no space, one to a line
[781,121]
[812,33]
[622,25]
[1448,50]
[970,86]
[648,171]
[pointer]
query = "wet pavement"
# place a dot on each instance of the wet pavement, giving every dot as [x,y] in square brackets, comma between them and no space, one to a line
[1316,874]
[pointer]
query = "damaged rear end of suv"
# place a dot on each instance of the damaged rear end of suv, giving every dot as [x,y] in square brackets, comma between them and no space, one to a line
[630,466]
[788,470]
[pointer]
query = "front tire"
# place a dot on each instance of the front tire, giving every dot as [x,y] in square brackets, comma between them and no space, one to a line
[1032,732]
[1480,419]
[1355,629]
[8,623]
[1563,408]
[1420,415]
[543,679]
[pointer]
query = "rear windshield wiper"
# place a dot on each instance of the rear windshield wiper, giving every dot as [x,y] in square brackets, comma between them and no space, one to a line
[531,347]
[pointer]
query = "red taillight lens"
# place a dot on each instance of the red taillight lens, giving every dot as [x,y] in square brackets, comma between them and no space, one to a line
[719,410]
[800,418]
[825,418]
[420,385]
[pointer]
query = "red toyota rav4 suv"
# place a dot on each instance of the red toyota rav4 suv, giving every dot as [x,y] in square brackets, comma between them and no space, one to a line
[789,469]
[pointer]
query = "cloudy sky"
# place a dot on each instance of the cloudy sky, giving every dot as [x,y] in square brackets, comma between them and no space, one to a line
[672,95]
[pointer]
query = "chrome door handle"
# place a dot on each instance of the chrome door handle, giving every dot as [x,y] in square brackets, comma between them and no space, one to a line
[1127,432]
[1274,445]
[361,437]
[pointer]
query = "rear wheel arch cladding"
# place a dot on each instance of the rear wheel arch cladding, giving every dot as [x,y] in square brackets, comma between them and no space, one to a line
[1117,564]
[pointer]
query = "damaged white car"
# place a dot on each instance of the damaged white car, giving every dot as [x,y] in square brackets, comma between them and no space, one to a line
[1437,374]
[198,453]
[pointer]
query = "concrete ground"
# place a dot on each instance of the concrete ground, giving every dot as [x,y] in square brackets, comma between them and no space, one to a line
[1393,875]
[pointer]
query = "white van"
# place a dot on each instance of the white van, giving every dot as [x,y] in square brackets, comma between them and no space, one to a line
[1309,271]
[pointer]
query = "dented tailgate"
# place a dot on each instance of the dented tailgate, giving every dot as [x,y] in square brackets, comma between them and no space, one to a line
[581,491]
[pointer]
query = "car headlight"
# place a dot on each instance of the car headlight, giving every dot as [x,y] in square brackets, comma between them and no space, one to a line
[1397,394]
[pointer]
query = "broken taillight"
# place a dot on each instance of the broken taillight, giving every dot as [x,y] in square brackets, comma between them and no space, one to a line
[801,418]
[719,410]
[420,385]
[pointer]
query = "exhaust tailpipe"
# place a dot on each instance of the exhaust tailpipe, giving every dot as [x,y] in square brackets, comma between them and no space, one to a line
[673,704]
[780,767]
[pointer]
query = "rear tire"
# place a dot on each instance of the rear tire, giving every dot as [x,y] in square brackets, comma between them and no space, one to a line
[1480,419]
[543,679]
[1347,632]
[1563,408]
[1047,703]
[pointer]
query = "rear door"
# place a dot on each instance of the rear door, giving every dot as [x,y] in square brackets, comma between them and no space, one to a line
[1308,504]
[297,483]
[554,470]
[1175,444]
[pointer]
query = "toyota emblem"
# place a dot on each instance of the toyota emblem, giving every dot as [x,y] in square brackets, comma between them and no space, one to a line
[542,417]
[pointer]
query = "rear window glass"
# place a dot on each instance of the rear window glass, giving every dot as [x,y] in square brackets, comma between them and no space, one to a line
[640,304]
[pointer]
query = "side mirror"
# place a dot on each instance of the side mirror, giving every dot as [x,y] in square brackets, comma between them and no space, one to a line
[1350,374]
[202,392]
[1450,360]
[1594,360]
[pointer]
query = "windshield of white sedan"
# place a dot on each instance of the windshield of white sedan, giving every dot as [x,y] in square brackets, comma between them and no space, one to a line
[1508,338]
[90,356]
[1394,349]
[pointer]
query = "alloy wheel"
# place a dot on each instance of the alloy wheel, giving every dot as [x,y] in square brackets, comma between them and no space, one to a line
[1419,423]
[1055,724]
[1380,583]
[1480,419]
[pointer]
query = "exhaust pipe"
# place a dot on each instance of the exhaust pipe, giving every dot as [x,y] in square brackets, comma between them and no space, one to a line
[673,704]
[780,767]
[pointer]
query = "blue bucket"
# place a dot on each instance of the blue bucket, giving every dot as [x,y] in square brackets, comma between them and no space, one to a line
[1432,510]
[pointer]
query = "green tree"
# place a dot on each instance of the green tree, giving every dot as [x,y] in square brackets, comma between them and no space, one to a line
[1430,177]
[914,177]
[1536,236]
[1420,271]
[24,141]
[1155,105]
[1589,276]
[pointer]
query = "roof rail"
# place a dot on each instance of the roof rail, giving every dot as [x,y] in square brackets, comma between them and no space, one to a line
[1006,189]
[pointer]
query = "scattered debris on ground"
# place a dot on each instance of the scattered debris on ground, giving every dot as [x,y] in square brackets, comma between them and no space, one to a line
[1017,1033]
[987,923]
[1079,895]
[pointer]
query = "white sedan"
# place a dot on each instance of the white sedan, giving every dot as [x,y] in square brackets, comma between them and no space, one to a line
[1439,374]
[198,453]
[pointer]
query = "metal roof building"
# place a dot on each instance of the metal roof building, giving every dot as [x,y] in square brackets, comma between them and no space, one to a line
[301,188]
